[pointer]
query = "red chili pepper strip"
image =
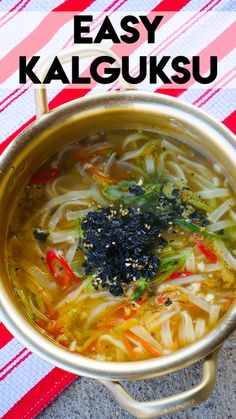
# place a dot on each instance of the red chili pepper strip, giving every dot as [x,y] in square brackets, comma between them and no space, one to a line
[209,255]
[42,177]
[59,269]
[178,274]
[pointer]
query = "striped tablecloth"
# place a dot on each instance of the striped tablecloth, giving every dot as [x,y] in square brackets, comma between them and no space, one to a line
[28,383]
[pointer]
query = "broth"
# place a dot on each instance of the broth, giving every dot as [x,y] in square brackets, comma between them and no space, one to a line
[122,246]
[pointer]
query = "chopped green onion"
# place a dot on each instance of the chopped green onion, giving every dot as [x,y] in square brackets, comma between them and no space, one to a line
[25,302]
[89,283]
[170,265]
[200,230]
[200,205]
[121,192]
[138,292]
[40,303]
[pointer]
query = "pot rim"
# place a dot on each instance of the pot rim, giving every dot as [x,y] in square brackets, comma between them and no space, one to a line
[78,364]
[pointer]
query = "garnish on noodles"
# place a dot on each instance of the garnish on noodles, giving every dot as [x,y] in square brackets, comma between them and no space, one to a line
[123,246]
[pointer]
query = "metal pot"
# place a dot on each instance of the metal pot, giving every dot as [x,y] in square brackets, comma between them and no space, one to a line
[61,126]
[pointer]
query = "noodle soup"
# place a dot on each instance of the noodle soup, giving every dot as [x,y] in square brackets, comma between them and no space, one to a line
[122,246]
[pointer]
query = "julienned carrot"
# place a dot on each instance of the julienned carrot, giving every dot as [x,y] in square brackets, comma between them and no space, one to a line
[142,299]
[91,348]
[50,311]
[145,344]
[95,172]
[85,155]
[175,344]
[129,348]
[228,302]
[55,329]
[41,324]
[111,324]
[121,313]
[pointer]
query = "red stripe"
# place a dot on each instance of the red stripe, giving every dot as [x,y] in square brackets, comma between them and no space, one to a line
[5,335]
[129,49]
[230,122]
[20,88]
[171,38]
[226,38]
[15,14]
[109,7]
[69,94]
[13,359]
[5,143]
[93,27]
[214,92]
[36,399]
[170,5]
[213,87]
[15,366]
[41,35]
[178,32]
[72,6]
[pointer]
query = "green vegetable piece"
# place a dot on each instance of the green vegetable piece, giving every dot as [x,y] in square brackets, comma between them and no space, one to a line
[73,313]
[110,152]
[25,302]
[40,303]
[77,267]
[139,291]
[200,230]
[89,283]
[200,205]
[169,266]
[120,192]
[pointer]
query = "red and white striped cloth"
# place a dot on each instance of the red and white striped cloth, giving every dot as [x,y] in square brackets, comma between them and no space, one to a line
[27,383]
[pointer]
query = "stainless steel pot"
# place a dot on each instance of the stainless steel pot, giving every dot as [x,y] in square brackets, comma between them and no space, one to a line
[61,126]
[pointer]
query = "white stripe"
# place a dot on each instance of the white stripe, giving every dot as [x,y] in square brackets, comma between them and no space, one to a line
[23,103]
[187,43]
[9,368]
[224,65]
[24,107]
[198,4]
[21,380]
[23,24]
[9,351]
[222,104]
[58,41]
[6,5]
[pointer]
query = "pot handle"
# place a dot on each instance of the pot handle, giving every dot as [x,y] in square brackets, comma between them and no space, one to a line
[171,404]
[65,56]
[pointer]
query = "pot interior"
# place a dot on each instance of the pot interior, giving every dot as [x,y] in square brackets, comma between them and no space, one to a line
[64,126]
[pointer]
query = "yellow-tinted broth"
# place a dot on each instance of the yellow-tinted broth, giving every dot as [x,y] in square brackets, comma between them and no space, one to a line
[94,322]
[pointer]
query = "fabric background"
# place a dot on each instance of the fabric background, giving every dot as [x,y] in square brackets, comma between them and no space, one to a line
[28,383]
